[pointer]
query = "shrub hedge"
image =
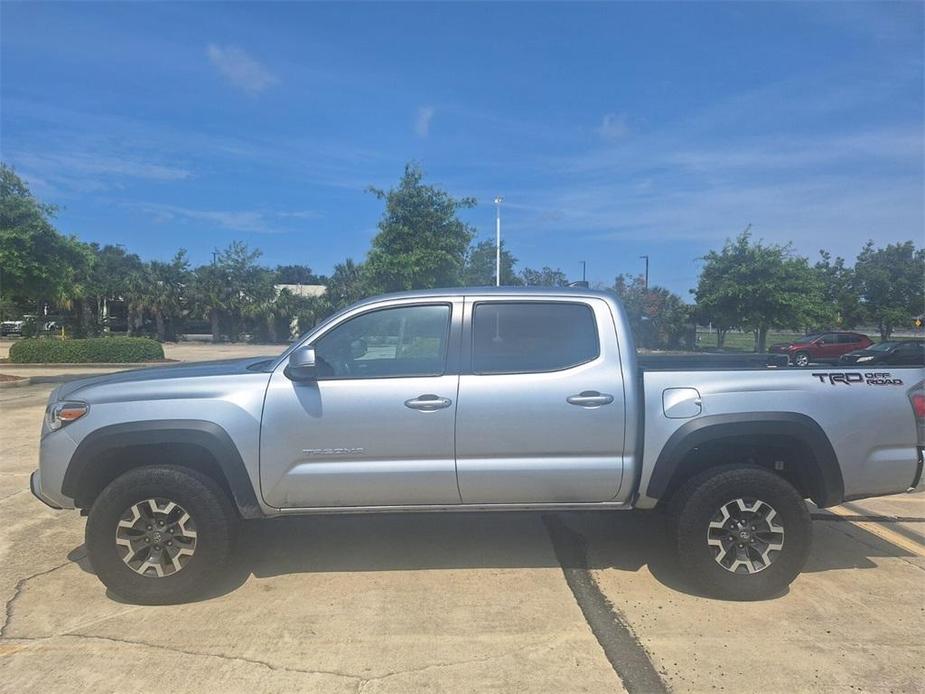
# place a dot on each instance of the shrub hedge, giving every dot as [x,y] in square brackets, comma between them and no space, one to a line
[85,351]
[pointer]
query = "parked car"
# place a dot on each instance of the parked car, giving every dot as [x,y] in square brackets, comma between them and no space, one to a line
[11,327]
[895,352]
[460,400]
[821,347]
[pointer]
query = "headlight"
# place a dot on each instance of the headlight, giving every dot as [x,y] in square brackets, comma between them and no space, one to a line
[868,358]
[60,413]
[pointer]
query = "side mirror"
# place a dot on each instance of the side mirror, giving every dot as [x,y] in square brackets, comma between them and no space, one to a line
[301,366]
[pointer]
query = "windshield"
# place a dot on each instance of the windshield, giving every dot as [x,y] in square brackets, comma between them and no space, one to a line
[882,347]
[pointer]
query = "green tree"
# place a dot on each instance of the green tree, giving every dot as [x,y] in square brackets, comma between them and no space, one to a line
[891,284]
[110,278]
[37,263]
[347,285]
[757,287]
[233,290]
[479,269]
[164,292]
[658,317]
[421,242]
[547,277]
[839,290]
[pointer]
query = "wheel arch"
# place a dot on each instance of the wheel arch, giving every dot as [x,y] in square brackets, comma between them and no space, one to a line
[725,439]
[112,450]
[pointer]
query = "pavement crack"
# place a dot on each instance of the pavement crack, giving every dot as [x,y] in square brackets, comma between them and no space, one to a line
[17,591]
[11,495]
[221,656]
[452,663]
[627,656]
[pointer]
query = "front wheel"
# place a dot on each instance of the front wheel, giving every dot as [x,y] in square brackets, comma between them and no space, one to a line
[742,533]
[801,359]
[160,534]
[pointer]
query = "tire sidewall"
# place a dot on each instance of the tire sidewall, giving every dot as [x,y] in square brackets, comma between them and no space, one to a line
[705,501]
[198,495]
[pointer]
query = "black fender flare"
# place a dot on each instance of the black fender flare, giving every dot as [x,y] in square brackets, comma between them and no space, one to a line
[207,435]
[823,475]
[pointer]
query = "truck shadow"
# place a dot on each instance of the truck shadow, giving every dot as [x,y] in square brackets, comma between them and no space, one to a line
[622,541]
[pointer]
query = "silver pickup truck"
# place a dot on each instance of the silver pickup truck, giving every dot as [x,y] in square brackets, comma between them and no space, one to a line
[478,399]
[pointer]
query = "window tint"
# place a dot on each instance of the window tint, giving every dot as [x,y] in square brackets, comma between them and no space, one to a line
[530,337]
[403,341]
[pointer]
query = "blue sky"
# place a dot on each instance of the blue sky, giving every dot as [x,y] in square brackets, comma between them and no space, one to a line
[612,130]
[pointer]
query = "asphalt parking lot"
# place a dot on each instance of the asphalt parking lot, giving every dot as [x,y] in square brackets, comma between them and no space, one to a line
[574,602]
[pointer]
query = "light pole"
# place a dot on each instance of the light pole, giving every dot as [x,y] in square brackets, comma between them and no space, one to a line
[647,273]
[584,268]
[498,201]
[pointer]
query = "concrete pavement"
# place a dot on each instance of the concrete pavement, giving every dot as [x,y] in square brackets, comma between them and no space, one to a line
[457,602]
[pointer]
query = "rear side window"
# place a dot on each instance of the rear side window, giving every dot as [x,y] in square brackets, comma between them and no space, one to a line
[532,337]
[845,339]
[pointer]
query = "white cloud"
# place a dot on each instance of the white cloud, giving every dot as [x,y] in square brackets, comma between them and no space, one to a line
[248,221]
[98,165]
[422,122]
[240,69]
[614,126]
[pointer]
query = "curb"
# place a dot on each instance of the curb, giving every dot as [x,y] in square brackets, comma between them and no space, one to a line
[21,381]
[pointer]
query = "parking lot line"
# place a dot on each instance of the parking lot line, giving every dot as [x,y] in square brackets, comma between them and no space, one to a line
[884,533]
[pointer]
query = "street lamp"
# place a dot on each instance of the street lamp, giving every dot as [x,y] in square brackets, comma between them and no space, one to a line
[498,201]
[647,272]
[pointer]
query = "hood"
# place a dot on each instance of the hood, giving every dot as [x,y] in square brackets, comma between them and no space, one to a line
[781,346]
[202,369]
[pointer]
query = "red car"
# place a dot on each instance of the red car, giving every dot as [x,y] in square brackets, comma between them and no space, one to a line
[821,347]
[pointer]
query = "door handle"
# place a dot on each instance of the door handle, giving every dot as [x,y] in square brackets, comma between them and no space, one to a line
[428,403]
[589,398]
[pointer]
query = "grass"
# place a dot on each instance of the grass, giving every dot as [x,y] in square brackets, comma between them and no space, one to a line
[742,342]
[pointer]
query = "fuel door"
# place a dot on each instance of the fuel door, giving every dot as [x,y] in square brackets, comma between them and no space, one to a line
[681,403]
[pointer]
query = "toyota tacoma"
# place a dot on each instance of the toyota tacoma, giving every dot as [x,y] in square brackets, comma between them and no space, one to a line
[467,400]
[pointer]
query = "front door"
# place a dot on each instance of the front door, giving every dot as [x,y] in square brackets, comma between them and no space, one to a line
[541,407]
[376,427]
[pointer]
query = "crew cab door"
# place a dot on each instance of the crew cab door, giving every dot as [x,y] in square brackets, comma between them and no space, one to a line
[375,427]
[540,416]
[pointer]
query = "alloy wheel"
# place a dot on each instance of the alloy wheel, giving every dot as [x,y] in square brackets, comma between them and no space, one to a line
[158,536]
[744,536]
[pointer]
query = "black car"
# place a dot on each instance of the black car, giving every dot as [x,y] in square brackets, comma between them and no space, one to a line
[894,353]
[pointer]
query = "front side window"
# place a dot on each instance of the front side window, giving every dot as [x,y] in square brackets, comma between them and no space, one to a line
[401,341]
[532,337]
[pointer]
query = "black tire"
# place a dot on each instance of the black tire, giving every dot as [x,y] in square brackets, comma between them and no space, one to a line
[801,357]
[203,499]
[702,499]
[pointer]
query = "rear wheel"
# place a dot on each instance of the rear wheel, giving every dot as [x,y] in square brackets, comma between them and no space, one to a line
[801,359]
[742,533]
[160,534]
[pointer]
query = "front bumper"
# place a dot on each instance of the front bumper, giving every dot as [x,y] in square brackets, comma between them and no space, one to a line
[35,484]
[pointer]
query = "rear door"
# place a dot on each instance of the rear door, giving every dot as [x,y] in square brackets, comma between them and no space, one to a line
[540,414]
[827,348]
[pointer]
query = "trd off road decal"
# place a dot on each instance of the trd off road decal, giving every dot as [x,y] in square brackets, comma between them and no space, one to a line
[871,378]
